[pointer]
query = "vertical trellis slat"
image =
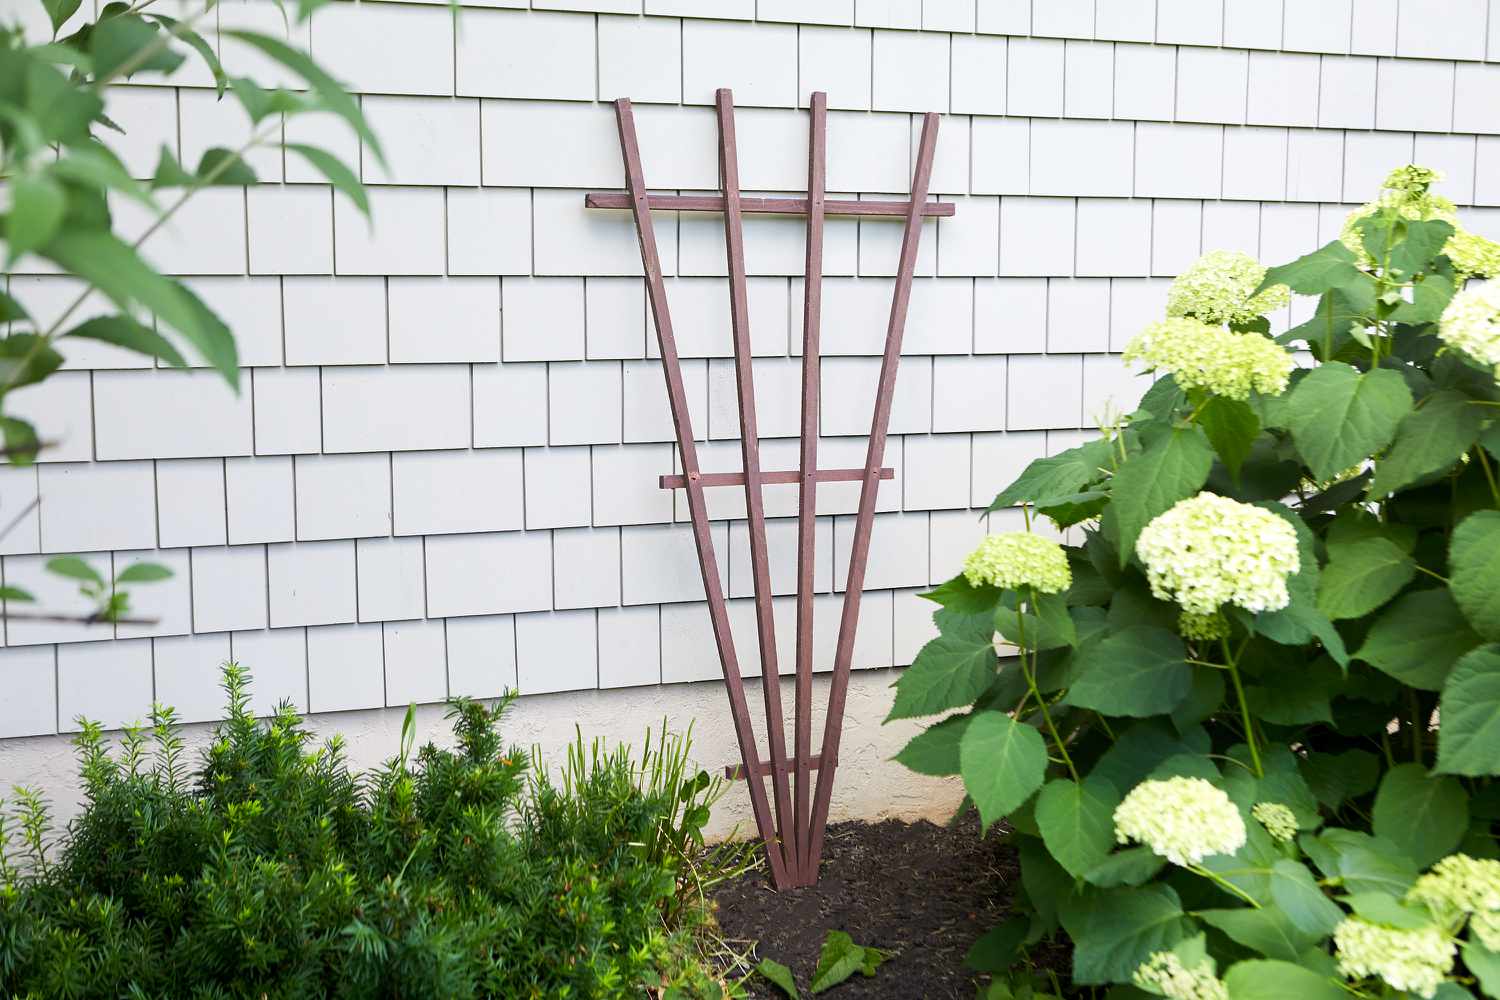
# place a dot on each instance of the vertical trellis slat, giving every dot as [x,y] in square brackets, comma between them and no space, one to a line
[793,834]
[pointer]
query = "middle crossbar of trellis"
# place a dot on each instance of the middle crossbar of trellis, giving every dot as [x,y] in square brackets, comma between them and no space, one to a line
[793,832]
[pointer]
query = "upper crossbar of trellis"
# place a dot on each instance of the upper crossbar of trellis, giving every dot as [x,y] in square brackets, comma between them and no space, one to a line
[793,832]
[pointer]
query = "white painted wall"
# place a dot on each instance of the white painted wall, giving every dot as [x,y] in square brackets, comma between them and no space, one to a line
[440,477]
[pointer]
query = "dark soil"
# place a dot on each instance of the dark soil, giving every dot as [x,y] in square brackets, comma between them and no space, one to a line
[920,892]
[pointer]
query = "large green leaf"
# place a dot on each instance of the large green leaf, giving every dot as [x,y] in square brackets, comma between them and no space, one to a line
[1139,671]
[1003,763]
[123,331]
[25,359]
[1336,777]
[1268,979]
[1473,556]
[58,11]
[1297,894]
[336,173]
[959,595]
[1048,480]
[127,44]
[1232,427]
[1418,638]
[1329,266]
[1266,930]
[333,96]
[841,958]
[950,671]
[118,271]
[1077,822]
[1424,815]
[779,975]
[1485,965]
[1361,576]
[196,42]
[37,204]
[1115,930]
[996,948]
[1132,866]
[1469,736]
[1339,416]
[935,750]
[1429,297]
[1430,439]
[75,569]
[1172,468]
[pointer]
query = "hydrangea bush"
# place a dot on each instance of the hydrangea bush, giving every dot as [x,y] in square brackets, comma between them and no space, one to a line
[1236,690]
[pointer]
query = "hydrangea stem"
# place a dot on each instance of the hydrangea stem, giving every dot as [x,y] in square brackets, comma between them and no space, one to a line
[1224,884]
[1230,661]
[1029,671]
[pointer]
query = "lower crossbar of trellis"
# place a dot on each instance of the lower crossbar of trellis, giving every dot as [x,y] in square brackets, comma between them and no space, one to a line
[735,772]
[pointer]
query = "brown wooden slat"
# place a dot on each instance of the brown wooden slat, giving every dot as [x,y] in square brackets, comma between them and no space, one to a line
[682,421]
[807,499]
[864,521]
[755,514]
[677,482]
[736,772]
[768,206]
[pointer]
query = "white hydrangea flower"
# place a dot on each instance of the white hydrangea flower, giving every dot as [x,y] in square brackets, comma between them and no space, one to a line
[1463,884]
[1279,821]
[1164,974]
[1212,358]
[1208,551]
[1486,927]
[1219,287]
[1019,559]
[1460,882]
[1414,961]
[1472,255]
[1471,323]
[1181,819]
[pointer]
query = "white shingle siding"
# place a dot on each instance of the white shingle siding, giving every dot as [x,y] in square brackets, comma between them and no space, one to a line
[440,473]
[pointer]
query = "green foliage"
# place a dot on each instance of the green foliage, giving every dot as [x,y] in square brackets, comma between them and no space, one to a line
[1318,786]
[839,959]
[61,171]
[270,870]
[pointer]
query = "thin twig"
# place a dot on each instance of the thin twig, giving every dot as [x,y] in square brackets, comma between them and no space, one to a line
[21,516]
[37,616]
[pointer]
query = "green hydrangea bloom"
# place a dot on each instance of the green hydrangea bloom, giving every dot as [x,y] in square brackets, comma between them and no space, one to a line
[1220,287]
[1208,551]
[1279,821]
[1017,559]
[1472,255]
[1164,974]
[1203,628]
[1181,819]
[1212,358]
[1407,190]
[1412,960]
[1471,323]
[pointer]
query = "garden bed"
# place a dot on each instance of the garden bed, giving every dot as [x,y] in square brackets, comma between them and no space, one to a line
[921,892]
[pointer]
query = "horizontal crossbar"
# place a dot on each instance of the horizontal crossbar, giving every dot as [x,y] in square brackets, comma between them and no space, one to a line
[735,772]
[766,206]
[677,482]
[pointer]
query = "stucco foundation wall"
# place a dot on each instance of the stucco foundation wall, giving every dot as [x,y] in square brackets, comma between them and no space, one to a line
[870,785]
[440,475]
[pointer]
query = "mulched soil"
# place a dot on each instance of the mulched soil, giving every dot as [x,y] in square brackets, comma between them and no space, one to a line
[923,893]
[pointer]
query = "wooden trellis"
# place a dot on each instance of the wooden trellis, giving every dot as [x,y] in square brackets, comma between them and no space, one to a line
[793,832]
